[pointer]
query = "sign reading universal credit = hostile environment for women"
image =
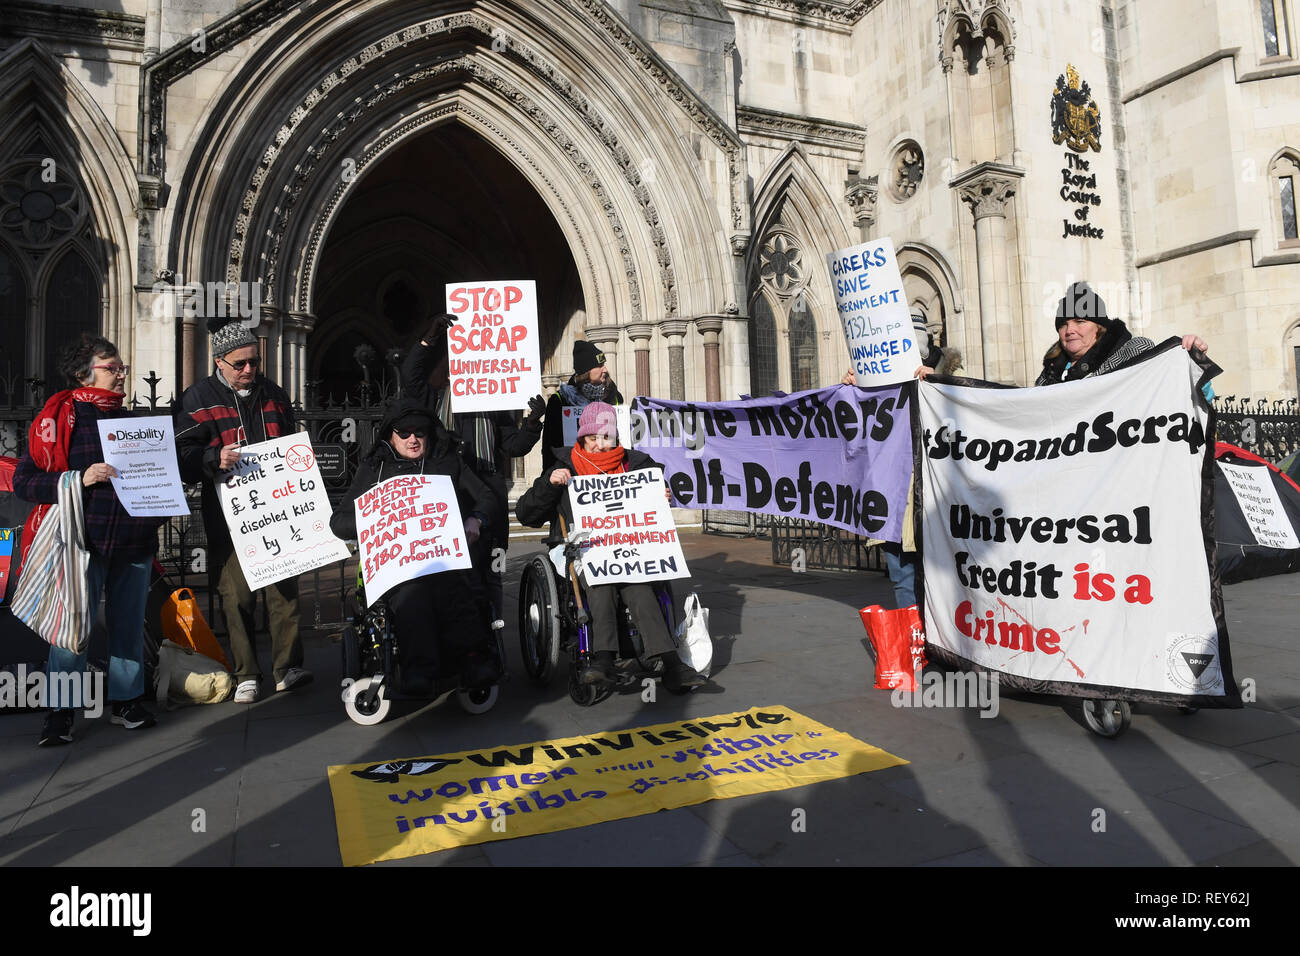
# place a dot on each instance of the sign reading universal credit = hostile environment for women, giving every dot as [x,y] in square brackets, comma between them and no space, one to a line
[633,537]
[401,808]
[841,456]
[1064,539]
[874,312]
[277,511]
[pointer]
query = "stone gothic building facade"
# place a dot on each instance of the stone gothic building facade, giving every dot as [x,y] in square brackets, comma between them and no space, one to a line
[671,172]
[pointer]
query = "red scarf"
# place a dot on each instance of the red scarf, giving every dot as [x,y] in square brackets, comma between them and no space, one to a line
[50,437]
[598,462]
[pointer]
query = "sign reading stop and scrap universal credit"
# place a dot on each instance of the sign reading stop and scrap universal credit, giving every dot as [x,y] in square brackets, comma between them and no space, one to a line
[494,361]
[874,312]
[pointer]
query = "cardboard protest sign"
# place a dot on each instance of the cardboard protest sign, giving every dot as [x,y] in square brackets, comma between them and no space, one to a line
[1066,544]
[570,414]
[401,808]
[633,535]
[493,352]
[841,456]
[1260,505]
[143,450]
[874,312]
[275,506]
[407,527]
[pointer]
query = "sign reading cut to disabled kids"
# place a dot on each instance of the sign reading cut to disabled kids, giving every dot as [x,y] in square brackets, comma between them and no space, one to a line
[493,358]
[873,310]
[633,535]
[407,527]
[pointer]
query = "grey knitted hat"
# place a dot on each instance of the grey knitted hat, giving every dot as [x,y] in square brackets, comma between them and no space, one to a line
[229,336]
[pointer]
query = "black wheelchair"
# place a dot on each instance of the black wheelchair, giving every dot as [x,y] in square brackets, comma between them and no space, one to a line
[372,668]
[554,617]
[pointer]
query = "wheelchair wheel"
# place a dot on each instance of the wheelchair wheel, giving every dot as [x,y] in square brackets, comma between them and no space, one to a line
[350,646]
[362,707]
[1107,718]
[539,620]
[585,695]
[477,701]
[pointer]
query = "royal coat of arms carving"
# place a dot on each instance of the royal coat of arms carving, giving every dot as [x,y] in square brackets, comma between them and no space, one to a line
[1076,120]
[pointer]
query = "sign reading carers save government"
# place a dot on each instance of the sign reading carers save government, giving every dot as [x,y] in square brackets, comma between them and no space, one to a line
[493,356]
[1064,539]
[407,527]
[277,511]
[841,456]
[633,537]
[874,312]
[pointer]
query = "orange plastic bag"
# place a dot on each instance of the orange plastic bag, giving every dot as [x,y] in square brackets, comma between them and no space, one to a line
[899,643]
[183,624]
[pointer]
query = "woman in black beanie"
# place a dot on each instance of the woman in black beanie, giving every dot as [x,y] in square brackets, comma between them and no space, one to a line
[590,383]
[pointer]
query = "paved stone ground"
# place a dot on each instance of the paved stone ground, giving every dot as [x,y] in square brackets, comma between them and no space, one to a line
[1216,787]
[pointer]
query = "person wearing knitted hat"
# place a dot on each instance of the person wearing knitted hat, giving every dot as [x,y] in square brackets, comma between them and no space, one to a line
[590,383]
[598,452]
[1089,342]
[233,407]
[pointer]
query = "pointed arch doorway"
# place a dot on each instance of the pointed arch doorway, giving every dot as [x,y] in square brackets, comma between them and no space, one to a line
[442,206]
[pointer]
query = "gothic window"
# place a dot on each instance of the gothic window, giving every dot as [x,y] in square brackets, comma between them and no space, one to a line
[13,319]
[1284,174]
[1277,41]
[803,349]
[763,379]
[72,306]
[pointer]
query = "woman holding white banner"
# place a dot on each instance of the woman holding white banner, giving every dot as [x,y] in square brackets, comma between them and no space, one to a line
[598,452]
[65,438]
[436,616]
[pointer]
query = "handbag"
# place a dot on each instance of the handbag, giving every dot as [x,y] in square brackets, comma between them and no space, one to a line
[898,641]
[187,677]
[52,596]
[694,646]
[184,625]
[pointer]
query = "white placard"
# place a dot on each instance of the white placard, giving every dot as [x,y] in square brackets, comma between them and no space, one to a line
[277,511]
[1259,501]
[493,355]
[570,414]
[143,450]
[1062,536]
[407,527]
[874,313]
[633,537]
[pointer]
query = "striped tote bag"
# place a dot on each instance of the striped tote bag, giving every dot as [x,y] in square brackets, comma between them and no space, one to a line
[51,597]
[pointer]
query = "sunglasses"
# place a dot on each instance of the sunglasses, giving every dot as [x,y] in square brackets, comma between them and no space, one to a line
[403,434]
[115,369]
[239,365]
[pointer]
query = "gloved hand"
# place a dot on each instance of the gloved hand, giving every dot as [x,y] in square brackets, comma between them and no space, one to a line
[536,409]
[438,326]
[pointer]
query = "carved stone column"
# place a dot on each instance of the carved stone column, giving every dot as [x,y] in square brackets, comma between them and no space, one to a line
[710,326]
[294,329]
[986,189]
[861,195]
[675,330]
[640,333]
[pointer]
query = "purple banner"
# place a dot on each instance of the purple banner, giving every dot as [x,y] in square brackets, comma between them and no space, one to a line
[840,456]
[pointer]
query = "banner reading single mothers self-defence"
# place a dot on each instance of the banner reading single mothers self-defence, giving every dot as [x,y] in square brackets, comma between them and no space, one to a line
[1066,538]
[407,527]
[841,456]
[493,356]
[277,511]
[633,537]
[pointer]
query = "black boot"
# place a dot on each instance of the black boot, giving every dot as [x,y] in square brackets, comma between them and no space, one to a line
[599,669]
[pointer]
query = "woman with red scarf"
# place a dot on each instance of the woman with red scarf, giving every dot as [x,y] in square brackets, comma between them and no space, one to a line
[597,452]
[65,437]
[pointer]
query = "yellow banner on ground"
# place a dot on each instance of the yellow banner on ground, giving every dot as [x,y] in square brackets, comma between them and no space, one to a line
[406,807]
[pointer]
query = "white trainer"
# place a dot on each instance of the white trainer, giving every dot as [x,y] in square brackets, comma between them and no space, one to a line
[294,678]
[247,692]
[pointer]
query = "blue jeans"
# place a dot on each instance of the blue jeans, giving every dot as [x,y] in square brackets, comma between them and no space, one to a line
[125,586]
[902,573]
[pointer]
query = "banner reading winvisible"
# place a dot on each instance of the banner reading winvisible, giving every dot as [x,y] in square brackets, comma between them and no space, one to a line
[277,511]
[392,810]
[407,527]
[841,456]
[633,535]
[874,312]
[143,450]
[494,360]
[1065,542]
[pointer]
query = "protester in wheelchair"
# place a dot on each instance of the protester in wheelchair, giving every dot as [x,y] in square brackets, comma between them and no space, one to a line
[441,626]
[598,451]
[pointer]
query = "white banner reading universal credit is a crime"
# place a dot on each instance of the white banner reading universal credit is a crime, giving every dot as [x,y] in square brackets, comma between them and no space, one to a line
[1063,533]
